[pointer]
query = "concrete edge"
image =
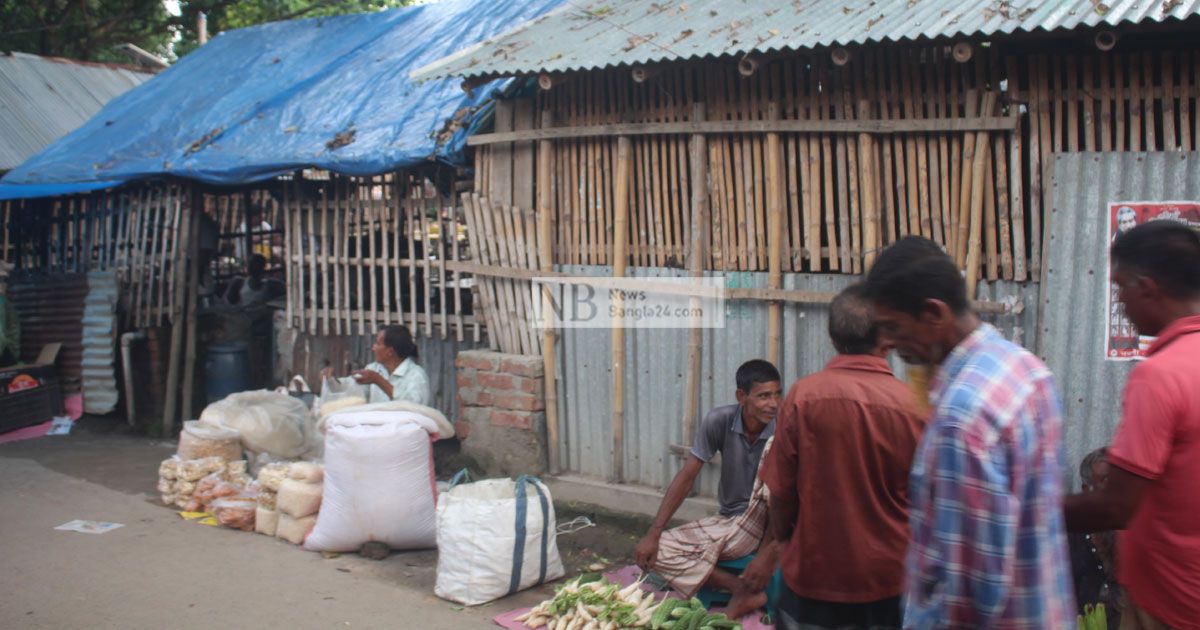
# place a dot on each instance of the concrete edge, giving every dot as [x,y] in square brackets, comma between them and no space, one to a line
[631,499]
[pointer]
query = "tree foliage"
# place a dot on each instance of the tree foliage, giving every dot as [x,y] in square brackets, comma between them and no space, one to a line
[91,30]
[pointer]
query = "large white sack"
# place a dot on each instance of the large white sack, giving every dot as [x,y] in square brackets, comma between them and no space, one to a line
[269,422]
[443,429]
[379,482]
[482,554]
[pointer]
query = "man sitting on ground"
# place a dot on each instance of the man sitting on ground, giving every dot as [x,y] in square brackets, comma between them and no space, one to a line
[686,557]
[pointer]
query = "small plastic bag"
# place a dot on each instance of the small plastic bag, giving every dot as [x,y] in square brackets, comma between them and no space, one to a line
[212,487]
[345,393]
[236,512]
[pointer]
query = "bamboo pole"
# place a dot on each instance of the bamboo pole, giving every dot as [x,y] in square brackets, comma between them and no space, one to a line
[620,241]
[326,244]
[170,409]
[191,299]
[990,232]
[776,206]
[1121,95]
[871,223]
[427,271]
[545,197]
[1185,103]
[1150,117]
[964,201]
[1016,185]
[852,231]
[1002,208]
[978,188]
[1170,143]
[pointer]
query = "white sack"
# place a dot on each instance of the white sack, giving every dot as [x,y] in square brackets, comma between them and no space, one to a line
[379,482]
[269,422]
[478,535]
[443,428]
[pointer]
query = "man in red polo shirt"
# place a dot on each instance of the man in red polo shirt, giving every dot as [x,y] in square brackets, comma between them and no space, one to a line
[838,476]
[1153,490]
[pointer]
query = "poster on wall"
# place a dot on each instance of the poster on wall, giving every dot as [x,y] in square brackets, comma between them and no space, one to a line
[1122,342]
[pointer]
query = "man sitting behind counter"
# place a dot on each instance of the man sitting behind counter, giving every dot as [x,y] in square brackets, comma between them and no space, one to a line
[686,556]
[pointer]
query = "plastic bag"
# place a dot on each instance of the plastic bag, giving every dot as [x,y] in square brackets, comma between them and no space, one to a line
[213,487]
[308,472]
[339,394]
[294,530]
[169,468]
[236,512]
[197,469]
[271,475]
[298,499]
[200,441]
[378,483]
[484,551]
[267,421]
[266,520]
[267,499]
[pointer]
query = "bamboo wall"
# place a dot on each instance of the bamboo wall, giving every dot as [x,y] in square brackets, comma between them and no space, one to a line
[844,198]
[138,232]
[367,252]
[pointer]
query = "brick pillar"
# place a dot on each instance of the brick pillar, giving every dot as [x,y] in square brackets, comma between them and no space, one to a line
[502,422]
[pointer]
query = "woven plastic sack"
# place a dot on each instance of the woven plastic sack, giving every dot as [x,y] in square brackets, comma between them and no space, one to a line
[495,537]
[379,482]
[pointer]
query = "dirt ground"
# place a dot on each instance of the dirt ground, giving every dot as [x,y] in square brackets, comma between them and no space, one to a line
[160,571]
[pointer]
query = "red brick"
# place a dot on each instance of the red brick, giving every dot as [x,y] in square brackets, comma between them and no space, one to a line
[485,398]
[522,366]
[462,429]
[466,378]
[528,385]
[495,381]
[477,360]
[517,402]
[514,419]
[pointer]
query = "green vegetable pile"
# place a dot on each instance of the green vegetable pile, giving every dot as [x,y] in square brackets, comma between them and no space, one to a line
[1093,618]
[590,602]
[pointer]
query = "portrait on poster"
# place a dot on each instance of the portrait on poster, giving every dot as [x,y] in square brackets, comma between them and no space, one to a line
[1122,341]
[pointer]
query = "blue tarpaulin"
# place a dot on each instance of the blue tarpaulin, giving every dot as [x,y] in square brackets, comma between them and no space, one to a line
[255,103]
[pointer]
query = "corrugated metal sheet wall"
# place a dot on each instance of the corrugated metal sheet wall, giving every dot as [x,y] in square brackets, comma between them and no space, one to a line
[51,311]
[657,371]
[100,343]
[1071,340]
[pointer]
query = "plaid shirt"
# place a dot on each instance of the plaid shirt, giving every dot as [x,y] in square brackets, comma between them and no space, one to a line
[989,548]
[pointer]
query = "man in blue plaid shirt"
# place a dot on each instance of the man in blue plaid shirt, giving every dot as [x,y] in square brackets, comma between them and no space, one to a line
[989,548]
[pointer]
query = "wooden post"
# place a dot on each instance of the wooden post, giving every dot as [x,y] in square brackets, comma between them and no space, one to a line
[776,204]
[177,326]
[978,172]
[620,242]
[870,208]
[192,297]
[695,260]
[545,204]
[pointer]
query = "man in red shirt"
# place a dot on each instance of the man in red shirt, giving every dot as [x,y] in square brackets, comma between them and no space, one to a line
[838,476]
[1153,490]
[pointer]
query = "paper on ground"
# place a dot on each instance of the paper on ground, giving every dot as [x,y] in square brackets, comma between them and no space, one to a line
[88,527]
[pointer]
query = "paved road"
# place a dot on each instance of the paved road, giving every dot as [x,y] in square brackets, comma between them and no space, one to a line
[159,571]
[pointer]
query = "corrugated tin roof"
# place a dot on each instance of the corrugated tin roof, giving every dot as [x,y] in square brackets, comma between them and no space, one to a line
[43,99]
[587,35]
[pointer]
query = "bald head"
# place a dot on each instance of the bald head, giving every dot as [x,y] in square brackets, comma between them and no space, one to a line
[851,322]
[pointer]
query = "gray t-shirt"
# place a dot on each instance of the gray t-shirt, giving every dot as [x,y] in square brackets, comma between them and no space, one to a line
[722,432]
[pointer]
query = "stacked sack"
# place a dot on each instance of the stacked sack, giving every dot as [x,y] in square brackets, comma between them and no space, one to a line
[270,477]
[178,478]
[298,500]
